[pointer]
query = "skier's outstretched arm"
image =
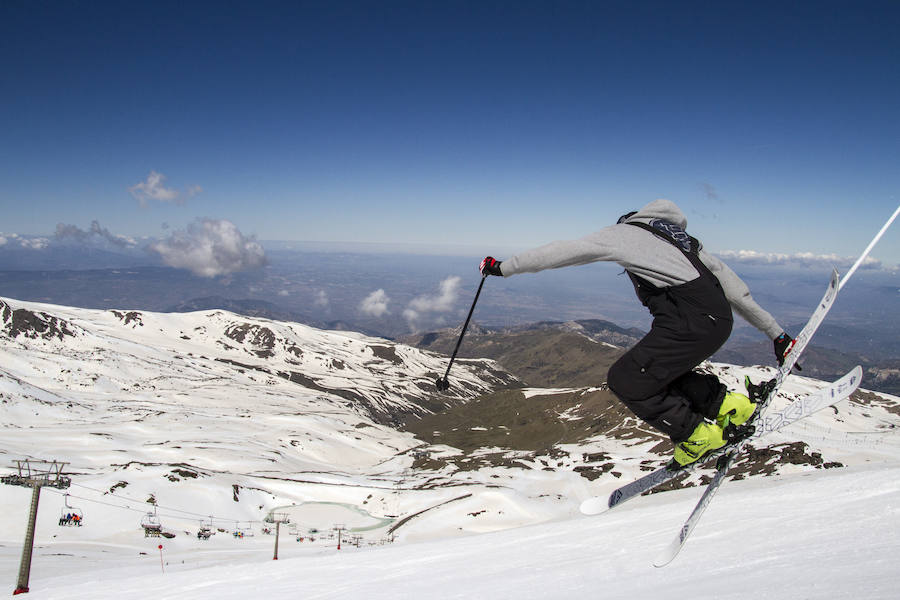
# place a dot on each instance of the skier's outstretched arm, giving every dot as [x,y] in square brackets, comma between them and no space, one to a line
[601,245]
[741,300]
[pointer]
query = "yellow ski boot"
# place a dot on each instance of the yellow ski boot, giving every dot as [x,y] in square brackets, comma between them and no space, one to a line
[736,409]
[705,438]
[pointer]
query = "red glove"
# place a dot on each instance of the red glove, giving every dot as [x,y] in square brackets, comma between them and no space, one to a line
[490,266]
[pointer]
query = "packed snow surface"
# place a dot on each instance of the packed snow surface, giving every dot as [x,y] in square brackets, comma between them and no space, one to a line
[828,534]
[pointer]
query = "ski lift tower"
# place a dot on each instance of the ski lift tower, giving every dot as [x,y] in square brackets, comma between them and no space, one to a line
[34,474]
[340,528]
[278,519]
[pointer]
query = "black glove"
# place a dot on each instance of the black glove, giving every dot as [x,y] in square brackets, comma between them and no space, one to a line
[490,266]
[783,345]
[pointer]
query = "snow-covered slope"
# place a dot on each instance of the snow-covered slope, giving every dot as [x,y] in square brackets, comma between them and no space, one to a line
[827,535]
[223,421]
[173,379]
[213,415]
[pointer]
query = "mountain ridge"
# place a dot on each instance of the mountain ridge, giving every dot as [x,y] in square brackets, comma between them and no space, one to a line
[579,353]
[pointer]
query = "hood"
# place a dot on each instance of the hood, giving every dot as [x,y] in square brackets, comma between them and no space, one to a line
[661,209]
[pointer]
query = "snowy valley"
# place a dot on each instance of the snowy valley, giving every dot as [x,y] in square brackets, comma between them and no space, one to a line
[219,424]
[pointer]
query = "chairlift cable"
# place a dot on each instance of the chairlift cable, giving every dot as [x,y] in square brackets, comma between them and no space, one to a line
[144,510]
[178,510]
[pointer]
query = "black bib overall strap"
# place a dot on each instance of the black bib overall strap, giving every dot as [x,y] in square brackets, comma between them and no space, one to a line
[655,378]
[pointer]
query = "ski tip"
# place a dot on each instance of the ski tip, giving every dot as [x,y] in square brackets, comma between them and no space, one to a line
[594,506]
[667,556]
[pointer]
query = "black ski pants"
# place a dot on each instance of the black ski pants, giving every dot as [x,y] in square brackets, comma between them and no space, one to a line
[655,378]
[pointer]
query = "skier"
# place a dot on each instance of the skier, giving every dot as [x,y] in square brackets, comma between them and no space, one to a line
[691,295]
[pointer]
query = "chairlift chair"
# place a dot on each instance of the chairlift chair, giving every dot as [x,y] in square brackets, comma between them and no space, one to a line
[70,516]
[152,526]
[206,530]
[242,532]
[247,531]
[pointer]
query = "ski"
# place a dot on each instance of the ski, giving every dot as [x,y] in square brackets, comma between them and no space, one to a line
[672,550]
[798,409]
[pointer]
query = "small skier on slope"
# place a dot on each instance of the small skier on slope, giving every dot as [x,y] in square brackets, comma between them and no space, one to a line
[691,295]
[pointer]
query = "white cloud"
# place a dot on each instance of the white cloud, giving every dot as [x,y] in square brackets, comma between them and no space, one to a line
[321,299]
[441,302]
[154,188]
[375,304]
[34,243]
[210,248]
[413,319]
[801,259]
[95,234]
[28,243]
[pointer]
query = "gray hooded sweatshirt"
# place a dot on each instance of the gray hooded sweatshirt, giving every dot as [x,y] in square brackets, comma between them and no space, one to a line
[647,256]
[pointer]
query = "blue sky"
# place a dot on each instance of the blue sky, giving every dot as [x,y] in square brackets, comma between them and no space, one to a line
[495,125]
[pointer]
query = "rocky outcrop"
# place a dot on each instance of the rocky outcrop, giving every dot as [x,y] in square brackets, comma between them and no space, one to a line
[33,325]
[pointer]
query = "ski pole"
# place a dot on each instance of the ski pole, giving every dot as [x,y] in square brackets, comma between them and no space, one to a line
[868,249]
[442,384]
